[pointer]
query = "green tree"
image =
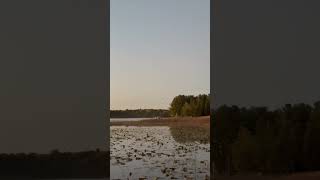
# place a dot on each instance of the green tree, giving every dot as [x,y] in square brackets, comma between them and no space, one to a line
[177,104]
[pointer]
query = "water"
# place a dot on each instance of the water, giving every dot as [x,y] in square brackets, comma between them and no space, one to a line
[128,119]
[153,153]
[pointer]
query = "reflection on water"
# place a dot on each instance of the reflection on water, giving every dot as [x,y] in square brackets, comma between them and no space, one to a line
[191,134]
[158,153]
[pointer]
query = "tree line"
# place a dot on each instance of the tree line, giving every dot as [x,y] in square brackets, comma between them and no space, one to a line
[181,105]
[139,113]
[190,105]
[284,140]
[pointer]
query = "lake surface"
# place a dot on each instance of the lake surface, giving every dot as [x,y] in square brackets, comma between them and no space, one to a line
[153,153]
[128,119]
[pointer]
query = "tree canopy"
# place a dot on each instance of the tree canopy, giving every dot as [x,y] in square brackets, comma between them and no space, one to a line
[139,113]
[183,105]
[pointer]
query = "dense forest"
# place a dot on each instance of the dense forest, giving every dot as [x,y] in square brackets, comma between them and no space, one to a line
[139,113]
[89,164]
[181,105]
[258,140]
[190,105]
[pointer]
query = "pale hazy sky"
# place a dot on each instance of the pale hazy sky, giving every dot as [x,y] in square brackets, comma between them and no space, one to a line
[159,49]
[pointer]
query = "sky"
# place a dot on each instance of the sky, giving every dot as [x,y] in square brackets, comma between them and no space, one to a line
[158,49]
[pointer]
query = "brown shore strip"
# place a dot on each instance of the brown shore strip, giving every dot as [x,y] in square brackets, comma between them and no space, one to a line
[203,121]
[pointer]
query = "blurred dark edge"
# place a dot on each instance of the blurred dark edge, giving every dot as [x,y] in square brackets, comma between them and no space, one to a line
[65,165]
[108,83]
[23,50]
[281,22]
[212,93]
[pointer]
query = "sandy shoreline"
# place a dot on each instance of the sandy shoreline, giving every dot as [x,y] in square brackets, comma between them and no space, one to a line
[203,121]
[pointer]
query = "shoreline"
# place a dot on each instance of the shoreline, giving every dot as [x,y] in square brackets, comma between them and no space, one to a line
[202,121]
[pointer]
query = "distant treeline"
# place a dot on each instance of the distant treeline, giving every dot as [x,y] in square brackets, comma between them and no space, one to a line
[139,113]
[256,139]
[90,164]
[181,105]
[190,105]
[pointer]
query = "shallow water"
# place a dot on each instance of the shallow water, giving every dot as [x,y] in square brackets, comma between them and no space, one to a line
[153,153]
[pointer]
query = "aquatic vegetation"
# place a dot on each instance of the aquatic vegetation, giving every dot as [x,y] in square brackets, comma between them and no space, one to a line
[154,153]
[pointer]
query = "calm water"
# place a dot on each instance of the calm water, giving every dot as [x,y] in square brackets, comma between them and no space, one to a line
[153,153]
